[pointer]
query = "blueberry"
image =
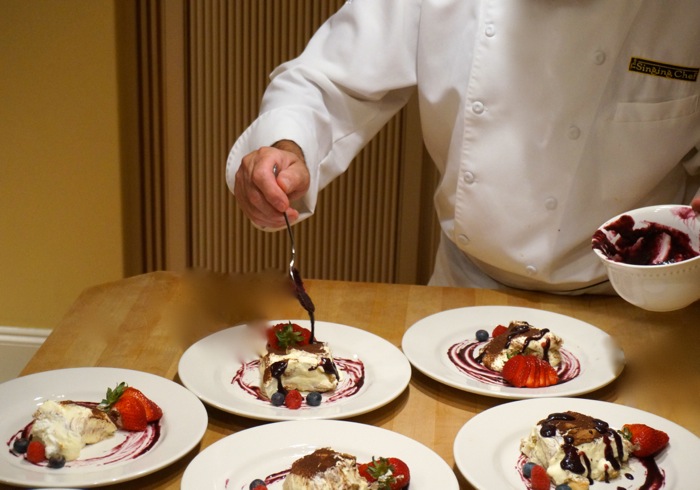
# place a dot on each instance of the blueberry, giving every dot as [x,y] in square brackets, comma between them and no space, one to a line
[482,335]
[563,486]
[527,469]
[256,483]
[57,461]
[20,445]
[277,399]
[313,399]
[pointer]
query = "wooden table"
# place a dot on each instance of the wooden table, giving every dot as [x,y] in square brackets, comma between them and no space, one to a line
[137,323]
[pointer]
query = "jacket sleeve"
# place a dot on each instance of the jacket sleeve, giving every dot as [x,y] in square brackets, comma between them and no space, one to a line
[357,71]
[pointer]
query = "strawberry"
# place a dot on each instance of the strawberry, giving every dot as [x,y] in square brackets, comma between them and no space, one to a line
[529,372]
[539,480]
[284,335]
[129,412]
[153,411]
[499,330]
[515,371]
[389,473]
[36,452]
[293,399]
[647,440]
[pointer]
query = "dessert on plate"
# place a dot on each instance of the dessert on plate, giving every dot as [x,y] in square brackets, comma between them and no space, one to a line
[292,361]
[66,427]
[520,338]
[59,430]
[327,469]
[577,450]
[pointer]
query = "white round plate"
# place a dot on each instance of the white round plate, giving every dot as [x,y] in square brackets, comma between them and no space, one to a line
[491,440]
[208,367]
[426,343]
[235,461]
[181,428]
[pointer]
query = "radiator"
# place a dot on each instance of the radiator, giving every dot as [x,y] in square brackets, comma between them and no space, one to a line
[370,224]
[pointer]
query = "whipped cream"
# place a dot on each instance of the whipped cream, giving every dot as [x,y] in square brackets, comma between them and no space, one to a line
[521,338]
[309,368]
[65,428]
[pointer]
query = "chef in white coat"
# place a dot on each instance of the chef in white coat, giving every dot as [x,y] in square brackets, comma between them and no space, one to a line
[544,117]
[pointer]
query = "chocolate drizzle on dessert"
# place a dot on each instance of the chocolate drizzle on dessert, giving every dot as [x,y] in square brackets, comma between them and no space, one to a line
[577,429]
[329,367]
[304,300]
[277,369]
[515,329]
[651,244]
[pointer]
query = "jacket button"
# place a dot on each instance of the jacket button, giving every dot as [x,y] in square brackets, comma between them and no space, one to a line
[478,107]
[531,270]
[599,57]
[574,132]
[469,177]
[550,203]
[490,30]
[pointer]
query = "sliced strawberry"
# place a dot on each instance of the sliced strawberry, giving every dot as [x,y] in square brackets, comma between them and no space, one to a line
[130,414]
[499,330]
[533,372]
[153,411]
[529,372]
[388,473]
[284,335]
[515,371]
[647,440]
[551,376]
[36,452]
[539,480]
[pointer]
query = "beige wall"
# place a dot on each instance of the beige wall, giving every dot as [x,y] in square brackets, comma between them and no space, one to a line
[60,205]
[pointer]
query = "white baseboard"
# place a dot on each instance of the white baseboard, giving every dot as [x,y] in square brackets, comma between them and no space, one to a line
[17,346]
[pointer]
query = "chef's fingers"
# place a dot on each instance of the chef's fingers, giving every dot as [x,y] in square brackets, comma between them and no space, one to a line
[696,204]
[257,190]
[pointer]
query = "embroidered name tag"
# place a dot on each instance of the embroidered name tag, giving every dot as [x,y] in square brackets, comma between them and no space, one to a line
[664,70]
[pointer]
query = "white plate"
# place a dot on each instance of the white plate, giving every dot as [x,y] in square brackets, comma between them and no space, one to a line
[235,461]
[181,428]
[208,367]
[491,440]
[426,343]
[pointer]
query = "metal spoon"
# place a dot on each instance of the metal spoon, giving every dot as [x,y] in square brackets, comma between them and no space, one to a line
[301,294]
[275,170]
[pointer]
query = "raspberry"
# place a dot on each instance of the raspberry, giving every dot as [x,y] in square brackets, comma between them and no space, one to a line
[36,452]
[293,399]
[539,478]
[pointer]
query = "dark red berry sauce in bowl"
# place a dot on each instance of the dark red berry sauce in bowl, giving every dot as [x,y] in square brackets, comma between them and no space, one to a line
[652,256]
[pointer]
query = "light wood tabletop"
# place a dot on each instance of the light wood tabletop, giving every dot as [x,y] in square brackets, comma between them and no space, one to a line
[146,322]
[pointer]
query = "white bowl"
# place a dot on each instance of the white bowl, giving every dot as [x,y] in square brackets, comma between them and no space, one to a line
[639,278]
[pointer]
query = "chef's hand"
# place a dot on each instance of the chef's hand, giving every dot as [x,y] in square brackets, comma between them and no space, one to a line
[696,205]
[264,197]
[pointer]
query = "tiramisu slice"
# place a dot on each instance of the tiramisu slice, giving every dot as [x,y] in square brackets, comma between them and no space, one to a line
[325,469]
[521,338]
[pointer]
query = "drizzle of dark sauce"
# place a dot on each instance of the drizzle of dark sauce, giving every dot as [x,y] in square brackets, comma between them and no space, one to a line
[304,300]
[577,462]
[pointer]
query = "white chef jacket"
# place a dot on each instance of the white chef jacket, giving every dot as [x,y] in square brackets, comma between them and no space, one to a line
[545,118]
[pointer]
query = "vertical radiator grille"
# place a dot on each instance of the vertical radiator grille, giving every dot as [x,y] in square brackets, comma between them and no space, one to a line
[231,47]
